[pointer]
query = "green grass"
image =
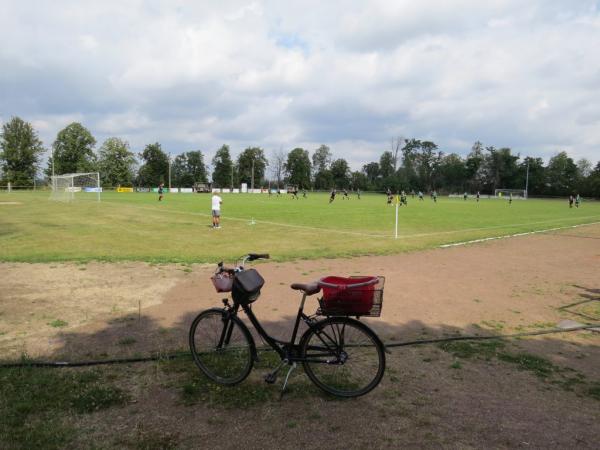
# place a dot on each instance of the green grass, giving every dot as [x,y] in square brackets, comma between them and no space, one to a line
[58,323]
[35,403]
[563,377]
[136,227]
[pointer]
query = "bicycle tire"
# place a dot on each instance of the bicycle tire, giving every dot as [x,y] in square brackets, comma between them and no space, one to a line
[226,364]
[343,356]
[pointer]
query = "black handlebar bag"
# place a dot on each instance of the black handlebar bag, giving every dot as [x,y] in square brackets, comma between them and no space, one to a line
[246,286]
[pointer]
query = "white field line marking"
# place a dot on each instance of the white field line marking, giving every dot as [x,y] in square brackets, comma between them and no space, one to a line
[474,241]
[358,233]
[512,225]
[265,222]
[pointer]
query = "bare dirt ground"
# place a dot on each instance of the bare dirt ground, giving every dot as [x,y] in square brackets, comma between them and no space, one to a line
[430,397]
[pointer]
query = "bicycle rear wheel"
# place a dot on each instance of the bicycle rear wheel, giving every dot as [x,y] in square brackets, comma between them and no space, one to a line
[221,346]
[343,357]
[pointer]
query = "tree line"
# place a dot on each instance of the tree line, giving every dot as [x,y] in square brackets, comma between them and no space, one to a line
[409,164]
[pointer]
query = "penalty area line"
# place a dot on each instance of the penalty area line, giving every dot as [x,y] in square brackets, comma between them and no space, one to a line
[505,236]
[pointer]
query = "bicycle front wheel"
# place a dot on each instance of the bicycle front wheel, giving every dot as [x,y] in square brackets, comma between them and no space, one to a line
[343,357]
[221,346]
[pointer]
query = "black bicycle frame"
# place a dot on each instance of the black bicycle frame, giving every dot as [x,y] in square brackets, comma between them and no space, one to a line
[286,350]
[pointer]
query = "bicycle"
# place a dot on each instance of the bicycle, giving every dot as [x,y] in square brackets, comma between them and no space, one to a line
[340,354]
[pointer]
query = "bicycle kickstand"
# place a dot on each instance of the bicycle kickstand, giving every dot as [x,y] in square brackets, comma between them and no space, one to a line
[287,377]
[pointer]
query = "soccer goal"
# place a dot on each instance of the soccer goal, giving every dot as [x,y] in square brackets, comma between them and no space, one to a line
[64,187]
[516,193]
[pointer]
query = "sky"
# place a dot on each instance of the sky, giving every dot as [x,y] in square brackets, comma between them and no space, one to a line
[353,75]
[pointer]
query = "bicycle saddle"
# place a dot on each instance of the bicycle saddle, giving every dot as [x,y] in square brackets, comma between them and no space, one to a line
[308,288]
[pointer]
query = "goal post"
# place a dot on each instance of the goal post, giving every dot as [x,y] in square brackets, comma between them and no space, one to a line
[506,193]
[65,187]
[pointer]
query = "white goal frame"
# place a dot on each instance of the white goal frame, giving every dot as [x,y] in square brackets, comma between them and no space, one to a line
[65,186]
[520,194]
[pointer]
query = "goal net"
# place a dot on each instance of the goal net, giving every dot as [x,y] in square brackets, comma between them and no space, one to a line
[506,193]
[68,187]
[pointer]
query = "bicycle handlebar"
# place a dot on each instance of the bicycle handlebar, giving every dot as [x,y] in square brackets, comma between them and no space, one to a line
[243,259]
[254,256]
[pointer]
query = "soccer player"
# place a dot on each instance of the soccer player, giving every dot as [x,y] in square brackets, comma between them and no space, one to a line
[303,193]
[295,192]
[403,199]
[571,199]
[345,197]
[160,192]
[216,210]
[465,196]
[510,198]
[434,196]
[477,196]
[332,197]
[577,201]
[358,193]
[421,196]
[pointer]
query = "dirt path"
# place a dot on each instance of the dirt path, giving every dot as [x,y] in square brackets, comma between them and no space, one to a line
[429,398]
[503,286]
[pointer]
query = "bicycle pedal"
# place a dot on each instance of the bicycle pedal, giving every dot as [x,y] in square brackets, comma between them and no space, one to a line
[271,378]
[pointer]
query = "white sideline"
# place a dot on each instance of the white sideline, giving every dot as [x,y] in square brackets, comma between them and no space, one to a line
[475,241]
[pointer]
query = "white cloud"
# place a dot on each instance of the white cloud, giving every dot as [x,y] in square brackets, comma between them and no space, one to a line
[348,74]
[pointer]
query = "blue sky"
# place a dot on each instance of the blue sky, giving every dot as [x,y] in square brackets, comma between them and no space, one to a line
[351,75]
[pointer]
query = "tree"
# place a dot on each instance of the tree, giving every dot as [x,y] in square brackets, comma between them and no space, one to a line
[321,159]
[386,165]
[500,169]
[474,172]
[536,183]
[155,168]
[594,182]
[358,180]
[340,173]
[395,148]
[428,161]
[251,166]
[189,169]
[116,163]
[20,150]
[409,162]
[278,165]
[584,170]
[223,174]
[453,172]
[298,168]
[561,174]
[584,167]
[73,151]
[371,171]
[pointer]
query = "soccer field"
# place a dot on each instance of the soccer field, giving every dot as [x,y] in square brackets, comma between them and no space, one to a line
[136,227]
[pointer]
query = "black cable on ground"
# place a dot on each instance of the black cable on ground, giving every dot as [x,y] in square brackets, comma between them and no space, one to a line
[181,354]
[155,357]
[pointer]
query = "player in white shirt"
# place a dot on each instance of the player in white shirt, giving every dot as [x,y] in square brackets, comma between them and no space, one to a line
[216,210]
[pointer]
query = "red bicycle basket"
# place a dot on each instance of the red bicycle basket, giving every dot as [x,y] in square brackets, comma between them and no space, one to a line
[343,300]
